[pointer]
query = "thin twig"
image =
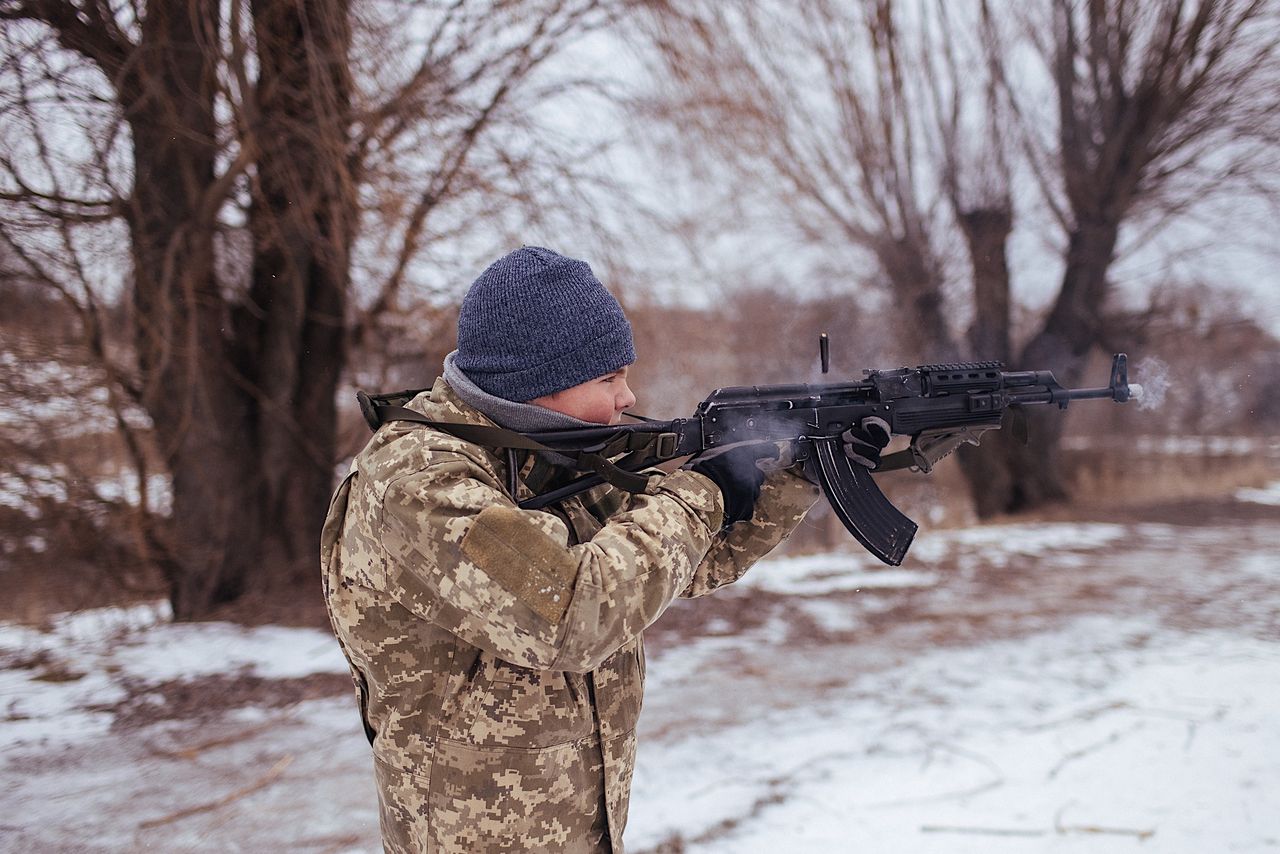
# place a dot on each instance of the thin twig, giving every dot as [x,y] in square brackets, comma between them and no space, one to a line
[194,750]
[1141,834]
[1063,829]
[266,780]
[996,780]
[980,831]
[1088,749]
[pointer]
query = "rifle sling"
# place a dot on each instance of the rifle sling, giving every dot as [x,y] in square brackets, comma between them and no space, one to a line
[896,460]
[593,459]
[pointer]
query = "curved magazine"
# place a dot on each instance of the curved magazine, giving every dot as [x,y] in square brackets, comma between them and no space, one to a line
[860,505]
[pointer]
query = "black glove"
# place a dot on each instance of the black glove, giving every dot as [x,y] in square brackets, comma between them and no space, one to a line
[863,442]
[739,478]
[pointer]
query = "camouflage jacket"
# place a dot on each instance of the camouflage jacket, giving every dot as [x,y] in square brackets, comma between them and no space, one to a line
[496,651]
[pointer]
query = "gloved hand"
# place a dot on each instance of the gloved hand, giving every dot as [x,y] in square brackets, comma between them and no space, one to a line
[863,443]
[736,472]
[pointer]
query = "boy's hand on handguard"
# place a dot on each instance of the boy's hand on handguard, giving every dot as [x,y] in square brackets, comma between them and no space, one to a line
[736,471]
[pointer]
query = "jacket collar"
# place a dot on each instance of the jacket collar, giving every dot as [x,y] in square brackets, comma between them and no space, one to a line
[442,403]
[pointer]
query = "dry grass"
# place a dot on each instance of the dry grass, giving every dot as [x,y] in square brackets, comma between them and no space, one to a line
[1134,478]
[1112,479]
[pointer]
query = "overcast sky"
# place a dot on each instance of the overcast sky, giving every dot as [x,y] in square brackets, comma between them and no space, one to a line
[1229,244]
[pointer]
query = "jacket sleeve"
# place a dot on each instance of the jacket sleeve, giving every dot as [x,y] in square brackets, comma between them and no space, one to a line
[785,498]
[461,554]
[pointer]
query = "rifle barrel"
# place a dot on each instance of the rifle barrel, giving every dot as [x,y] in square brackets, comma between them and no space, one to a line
[1120,393]
[1091,393]
[1062,396]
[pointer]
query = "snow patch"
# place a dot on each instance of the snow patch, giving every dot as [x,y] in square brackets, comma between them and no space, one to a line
[55,678]
[191,650]
[1269,494]
[834,617]
[817,575]
[1060,545]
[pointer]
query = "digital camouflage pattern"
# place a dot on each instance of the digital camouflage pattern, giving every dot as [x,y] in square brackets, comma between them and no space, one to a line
[496,651]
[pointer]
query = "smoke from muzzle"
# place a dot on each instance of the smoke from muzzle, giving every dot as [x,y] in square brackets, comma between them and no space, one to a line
[1153,374]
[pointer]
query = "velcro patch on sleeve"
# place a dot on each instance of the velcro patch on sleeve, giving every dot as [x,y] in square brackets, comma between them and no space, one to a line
[527,561]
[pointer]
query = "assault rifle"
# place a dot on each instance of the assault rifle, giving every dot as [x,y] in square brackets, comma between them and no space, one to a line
[940,407]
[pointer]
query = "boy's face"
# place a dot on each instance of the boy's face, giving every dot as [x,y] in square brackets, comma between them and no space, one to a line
[600,401]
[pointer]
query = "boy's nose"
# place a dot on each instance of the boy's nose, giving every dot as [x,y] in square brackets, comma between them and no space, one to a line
[626,400]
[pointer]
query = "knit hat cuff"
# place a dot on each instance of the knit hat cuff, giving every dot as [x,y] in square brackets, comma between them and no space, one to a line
[599,356]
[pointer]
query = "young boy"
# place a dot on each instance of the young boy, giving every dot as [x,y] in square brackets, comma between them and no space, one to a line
[497,651]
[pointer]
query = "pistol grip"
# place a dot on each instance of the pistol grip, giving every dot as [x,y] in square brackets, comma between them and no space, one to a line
[858,503]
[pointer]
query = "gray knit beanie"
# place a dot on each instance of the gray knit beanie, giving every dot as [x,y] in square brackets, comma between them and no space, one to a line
[537,322]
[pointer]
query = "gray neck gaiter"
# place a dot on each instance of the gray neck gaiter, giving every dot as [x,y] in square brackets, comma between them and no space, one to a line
[521,417]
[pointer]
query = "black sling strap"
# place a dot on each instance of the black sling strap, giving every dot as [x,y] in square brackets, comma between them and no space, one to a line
[593,459]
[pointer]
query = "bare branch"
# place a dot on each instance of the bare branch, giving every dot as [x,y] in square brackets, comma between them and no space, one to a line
[90,32]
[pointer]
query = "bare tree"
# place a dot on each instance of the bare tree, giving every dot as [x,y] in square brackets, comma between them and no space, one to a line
[1158,105]
[960,61]
[237,150]
[819,104]
[899,126]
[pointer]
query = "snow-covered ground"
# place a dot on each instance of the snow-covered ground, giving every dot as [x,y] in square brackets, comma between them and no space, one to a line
[66,678]
[1057,687]
[1092,738]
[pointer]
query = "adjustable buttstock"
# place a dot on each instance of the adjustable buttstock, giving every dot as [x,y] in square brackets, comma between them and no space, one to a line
[860,505]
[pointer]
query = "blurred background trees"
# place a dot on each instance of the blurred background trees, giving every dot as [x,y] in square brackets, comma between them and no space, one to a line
[205,170]
[217,218]
[899,127]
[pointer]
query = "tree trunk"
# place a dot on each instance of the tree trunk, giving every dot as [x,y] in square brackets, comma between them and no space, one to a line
[920,311]
[986,231]
[199,413]
[242,397]
[1031,475]
[301,223]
